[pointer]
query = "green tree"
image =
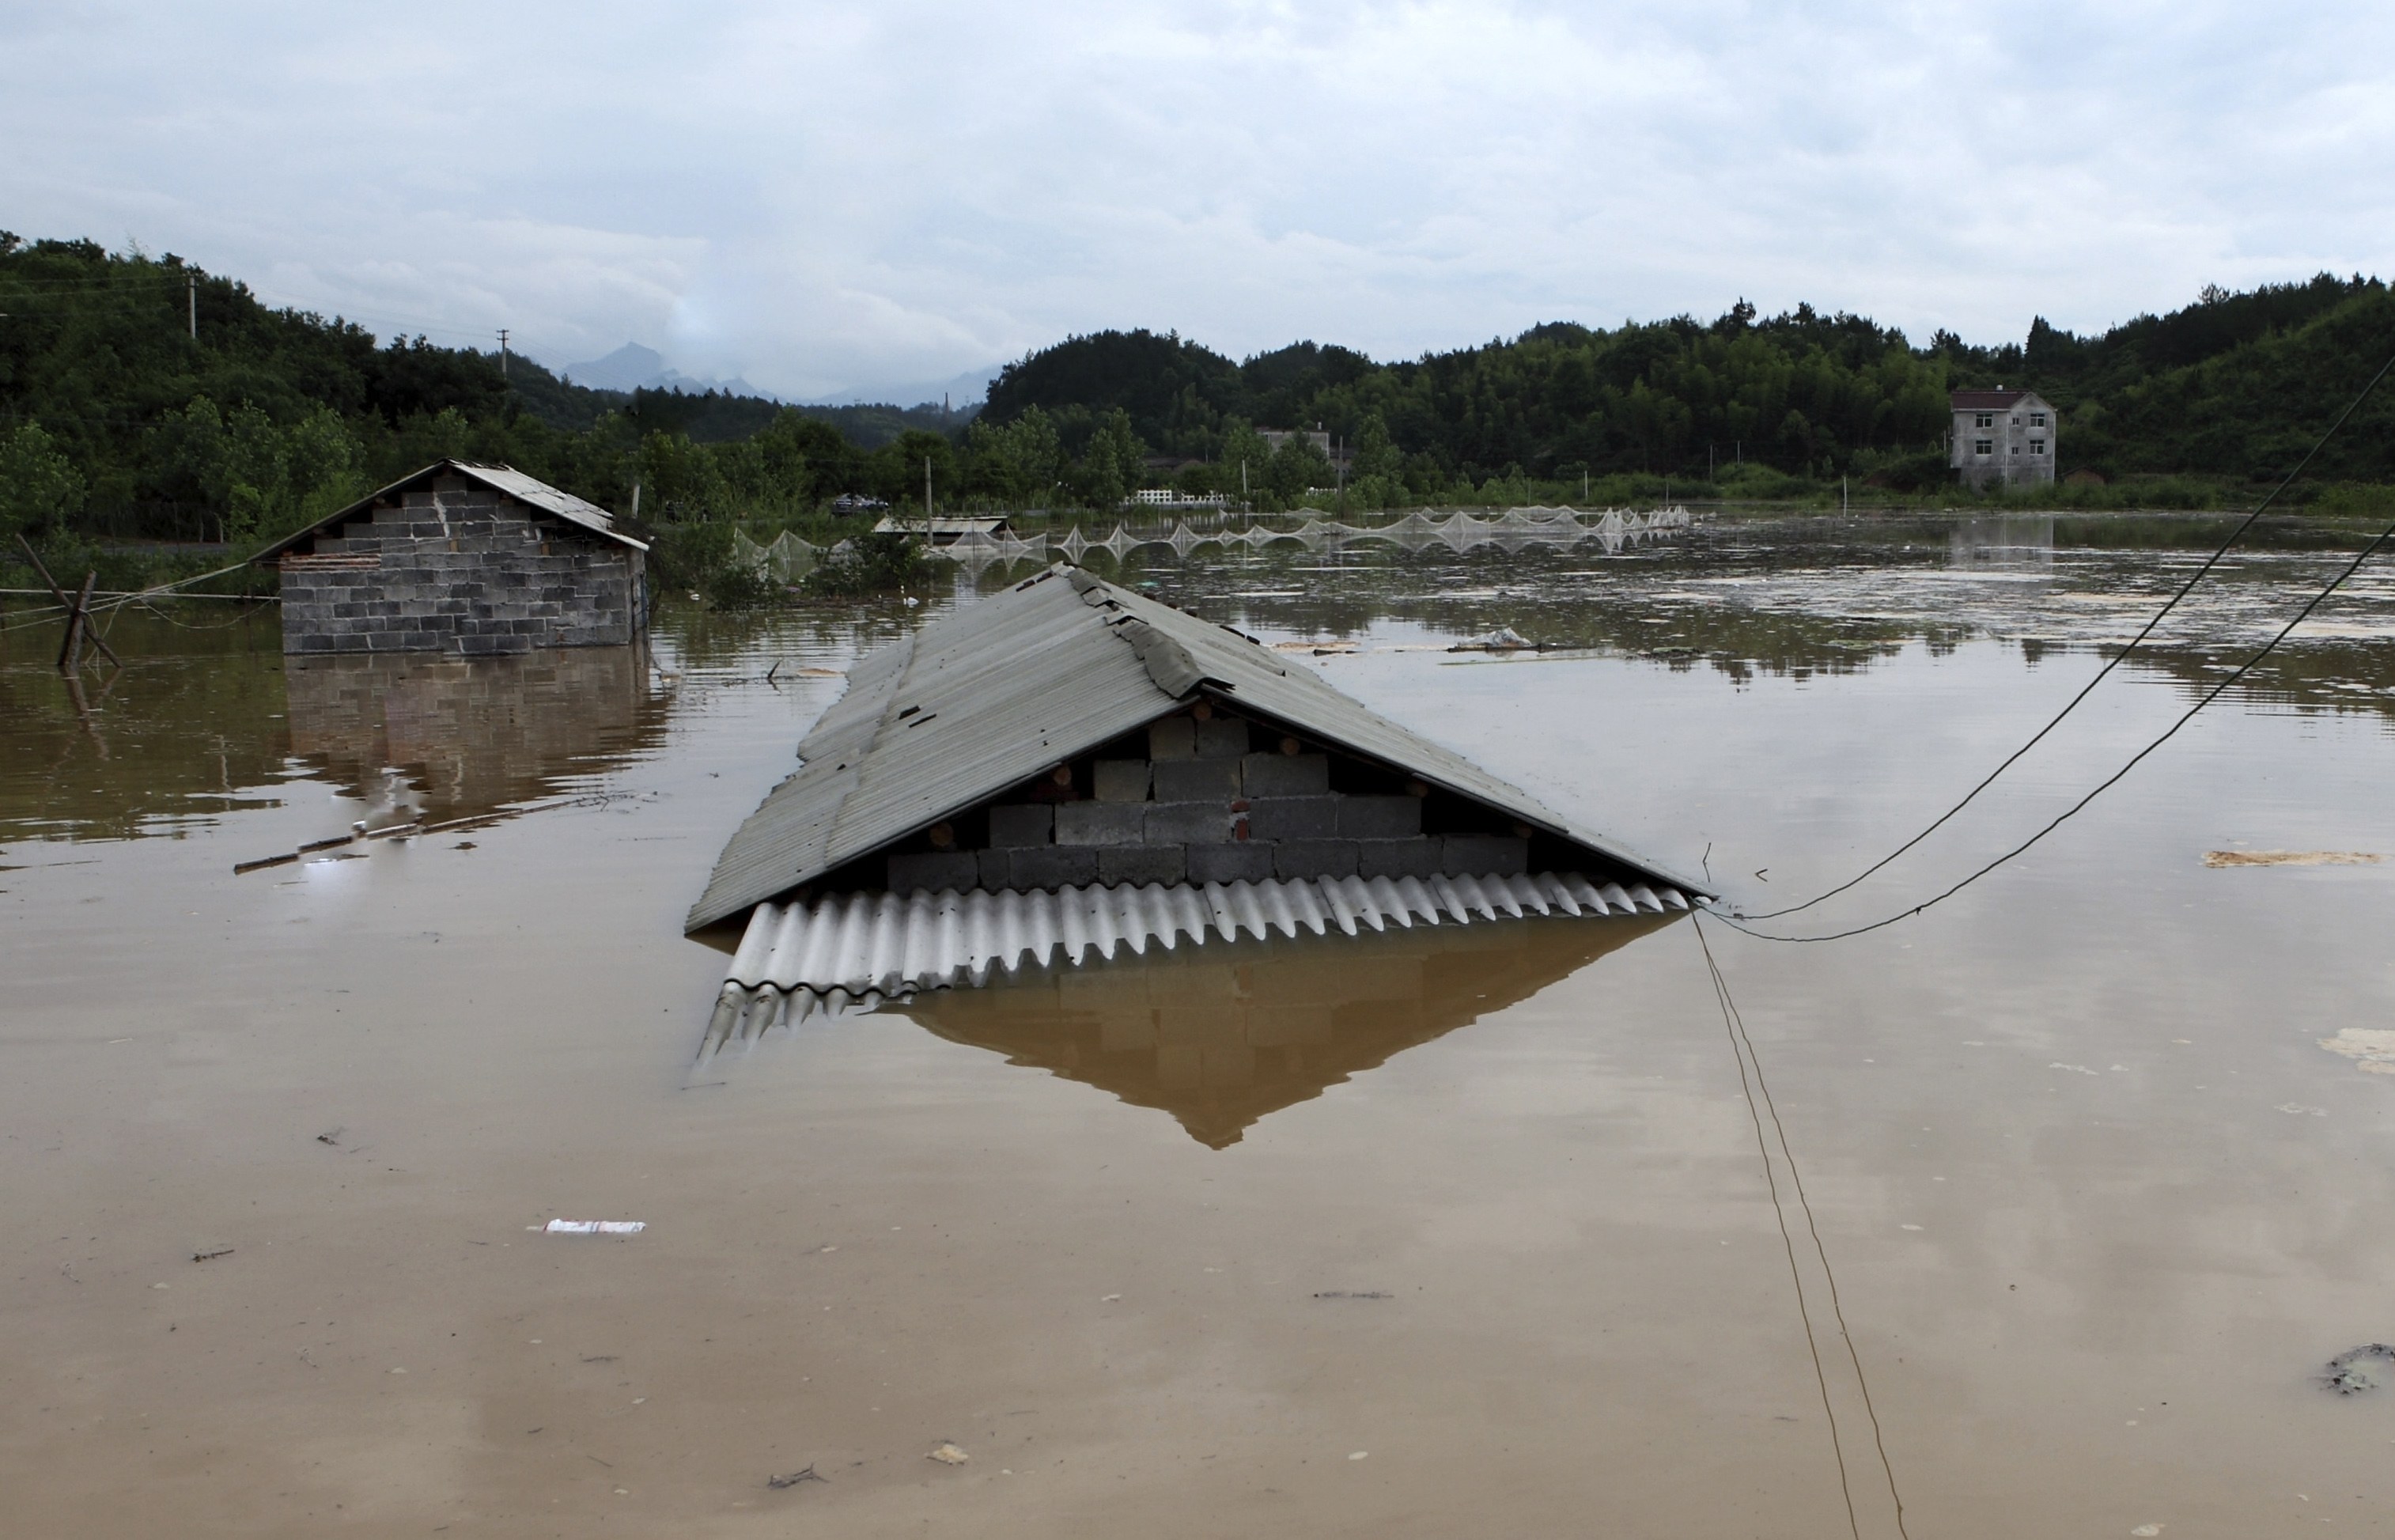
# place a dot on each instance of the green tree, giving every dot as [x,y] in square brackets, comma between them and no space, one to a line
[1297,466]
[1246,461]
[680,480]
[1017,463]
[897,470]
[39,487]
[1129,454]
[1374,454]
[1100,475]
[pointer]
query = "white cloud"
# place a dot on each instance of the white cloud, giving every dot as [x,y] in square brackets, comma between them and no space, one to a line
[818,197]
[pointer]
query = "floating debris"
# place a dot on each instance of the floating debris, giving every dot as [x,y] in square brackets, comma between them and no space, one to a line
[595,1226]
[2372,1050]
[2289,857]
[2359,1369]
[1503,639]
[949,1453]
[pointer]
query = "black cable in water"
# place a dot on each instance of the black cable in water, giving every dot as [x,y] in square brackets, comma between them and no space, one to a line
[1742,1047]
[2185,588]
[1735,921]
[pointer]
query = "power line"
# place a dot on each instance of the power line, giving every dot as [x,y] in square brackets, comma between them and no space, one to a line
[1735,921]
[1742,1045]
[2086,690]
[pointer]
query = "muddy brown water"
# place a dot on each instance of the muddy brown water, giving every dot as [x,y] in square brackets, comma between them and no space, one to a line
[1164,1246]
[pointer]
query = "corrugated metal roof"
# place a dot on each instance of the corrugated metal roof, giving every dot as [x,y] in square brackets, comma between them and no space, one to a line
[846,947]
[505,479]
[991,695]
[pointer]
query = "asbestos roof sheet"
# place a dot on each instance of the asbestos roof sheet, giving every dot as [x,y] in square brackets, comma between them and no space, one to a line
[505,479]
[991,695]
[892,946]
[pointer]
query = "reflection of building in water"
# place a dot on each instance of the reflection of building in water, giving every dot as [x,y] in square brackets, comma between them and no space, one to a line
[1221,1036]
[2002,540]
[474,732]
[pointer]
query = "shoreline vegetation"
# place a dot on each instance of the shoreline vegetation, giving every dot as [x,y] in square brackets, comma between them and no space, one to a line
[156,421]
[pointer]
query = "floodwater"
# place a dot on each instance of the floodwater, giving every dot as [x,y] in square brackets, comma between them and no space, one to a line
[2041,1213]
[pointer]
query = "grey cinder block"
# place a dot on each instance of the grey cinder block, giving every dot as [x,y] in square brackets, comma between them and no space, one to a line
[1285,774]
[1053,866]
[1292,817]
[1379,817]
[1230,863]
[1020,825]
[1484,856]
[1197,779]
[1188,823]
[1222,737]
[1101,823]
[995,867]
[1314,858]
[1174,738]
[1416,857]
[1120,780]
[936,871]
[1142,864]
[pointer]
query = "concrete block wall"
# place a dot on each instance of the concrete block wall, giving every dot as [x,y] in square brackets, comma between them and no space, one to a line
[458,568]
[1205,806]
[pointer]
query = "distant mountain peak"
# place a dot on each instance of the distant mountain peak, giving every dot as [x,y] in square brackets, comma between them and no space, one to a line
[636,367]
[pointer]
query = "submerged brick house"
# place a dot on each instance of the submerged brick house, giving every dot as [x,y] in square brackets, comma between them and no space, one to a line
[465,559]
[1070,765]
[2003,438]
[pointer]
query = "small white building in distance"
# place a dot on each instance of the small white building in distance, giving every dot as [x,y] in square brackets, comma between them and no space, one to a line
[2003,438]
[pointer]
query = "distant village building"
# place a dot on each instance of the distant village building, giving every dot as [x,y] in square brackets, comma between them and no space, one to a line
[1165,496]
[2003,438]
[465,559]
[1275,437]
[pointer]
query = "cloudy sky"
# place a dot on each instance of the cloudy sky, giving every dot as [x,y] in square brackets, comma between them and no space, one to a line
[823,198]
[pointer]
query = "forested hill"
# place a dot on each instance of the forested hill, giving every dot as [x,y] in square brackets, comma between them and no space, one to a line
[2233,385]
[121,419]
[145,397]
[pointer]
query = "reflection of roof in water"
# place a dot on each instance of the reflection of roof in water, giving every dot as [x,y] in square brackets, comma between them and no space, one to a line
[1222,1036]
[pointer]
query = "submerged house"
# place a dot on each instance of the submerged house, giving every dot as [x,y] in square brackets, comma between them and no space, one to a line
[466,559]
[1069,766]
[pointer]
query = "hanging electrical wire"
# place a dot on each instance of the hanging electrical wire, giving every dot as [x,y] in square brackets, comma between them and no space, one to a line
[1739,922]
[2114,662]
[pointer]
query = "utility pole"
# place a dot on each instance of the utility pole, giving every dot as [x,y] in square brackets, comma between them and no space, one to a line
[503,353]
[927,499]
[192,288]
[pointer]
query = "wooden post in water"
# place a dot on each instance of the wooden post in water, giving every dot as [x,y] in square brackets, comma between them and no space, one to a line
[75,609]
[70,650]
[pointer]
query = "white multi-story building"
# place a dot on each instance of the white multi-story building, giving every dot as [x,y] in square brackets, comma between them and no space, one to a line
[2003,438]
